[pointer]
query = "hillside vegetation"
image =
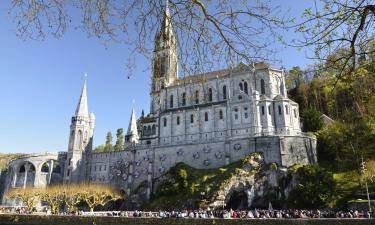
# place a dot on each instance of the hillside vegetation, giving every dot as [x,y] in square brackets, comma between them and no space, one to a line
[349,100]
[5,158]
[185,185]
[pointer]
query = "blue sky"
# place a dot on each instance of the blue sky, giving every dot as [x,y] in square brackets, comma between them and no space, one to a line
[40,83]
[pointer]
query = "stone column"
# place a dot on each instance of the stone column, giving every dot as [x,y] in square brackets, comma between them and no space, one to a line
[27,167]
[14,178]
[50,171]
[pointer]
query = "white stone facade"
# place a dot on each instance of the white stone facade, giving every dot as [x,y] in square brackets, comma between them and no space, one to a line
[206,121]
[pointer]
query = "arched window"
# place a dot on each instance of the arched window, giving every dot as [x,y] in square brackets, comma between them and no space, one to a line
[279,107]
[262,110]
[163,65]
[178,120]
[262,87]
[165,122]
[45,168]
[145,130]
[221,114]
[192,118]
[22,169]
[245,88]
[196,97]
[183,99]
[72,139]
[32,168]
[171,101]
[153,129]
[79,139]
[86,136]
[56,167]
[286,110]
[241,86]
[295,113]
[149,130]
[224,92]
[210,94]
[206,116]
[269,110]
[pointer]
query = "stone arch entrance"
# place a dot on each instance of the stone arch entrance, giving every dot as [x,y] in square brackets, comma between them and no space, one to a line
[239,195]
[237,200]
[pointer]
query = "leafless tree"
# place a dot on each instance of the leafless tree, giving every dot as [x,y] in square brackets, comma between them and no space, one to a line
[210,34]
[341,31]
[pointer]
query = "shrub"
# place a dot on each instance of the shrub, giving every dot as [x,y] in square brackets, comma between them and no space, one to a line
[316,188]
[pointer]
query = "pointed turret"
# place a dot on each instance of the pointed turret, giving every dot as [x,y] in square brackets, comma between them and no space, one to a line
[82,109]
[132,134]
[80,141]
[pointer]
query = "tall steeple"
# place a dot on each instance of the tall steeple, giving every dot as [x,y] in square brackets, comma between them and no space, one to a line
[132,134]
[82,109]
[164,62]
[80,141]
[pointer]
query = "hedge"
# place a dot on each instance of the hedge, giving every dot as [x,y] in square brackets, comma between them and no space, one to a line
[72,220]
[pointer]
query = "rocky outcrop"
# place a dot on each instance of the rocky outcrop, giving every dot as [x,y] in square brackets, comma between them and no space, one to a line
[257,180]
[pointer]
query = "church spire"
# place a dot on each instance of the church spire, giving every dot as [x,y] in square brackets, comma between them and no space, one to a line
[132,133]
[82,108]
[167,17]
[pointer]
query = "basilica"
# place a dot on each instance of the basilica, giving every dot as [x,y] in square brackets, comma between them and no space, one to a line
[204,120]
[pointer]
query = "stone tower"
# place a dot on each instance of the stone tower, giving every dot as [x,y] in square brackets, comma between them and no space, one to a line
[80,141]
[164,63]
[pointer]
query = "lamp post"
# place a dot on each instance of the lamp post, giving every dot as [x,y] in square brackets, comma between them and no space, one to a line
[363,170]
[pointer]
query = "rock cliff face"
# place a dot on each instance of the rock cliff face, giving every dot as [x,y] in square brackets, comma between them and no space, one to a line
[248,183]
[256,182]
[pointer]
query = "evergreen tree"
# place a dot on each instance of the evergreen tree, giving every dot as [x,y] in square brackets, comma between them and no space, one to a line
[120,140]
[312,120]
[108,142]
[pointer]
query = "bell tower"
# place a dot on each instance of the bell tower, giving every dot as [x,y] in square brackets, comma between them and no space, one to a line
[164,62]
[80,141]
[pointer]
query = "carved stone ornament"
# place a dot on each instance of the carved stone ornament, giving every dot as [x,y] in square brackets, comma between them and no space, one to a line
[237,147]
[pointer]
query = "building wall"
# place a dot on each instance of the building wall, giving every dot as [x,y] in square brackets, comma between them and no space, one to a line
[128,169]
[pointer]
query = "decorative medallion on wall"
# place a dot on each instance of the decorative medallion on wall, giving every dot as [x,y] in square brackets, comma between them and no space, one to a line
[180,152]
[206,162]
[218,155]
[237,147]
[196,155]
[161,169]
[206,149]
[118,170]
[145,170]
[136,174]
[163,157]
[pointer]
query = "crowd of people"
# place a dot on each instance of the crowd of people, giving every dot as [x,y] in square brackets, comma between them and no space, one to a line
[215,214]
[238,214]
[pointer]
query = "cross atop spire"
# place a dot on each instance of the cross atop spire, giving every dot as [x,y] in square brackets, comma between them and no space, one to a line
[82,108]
